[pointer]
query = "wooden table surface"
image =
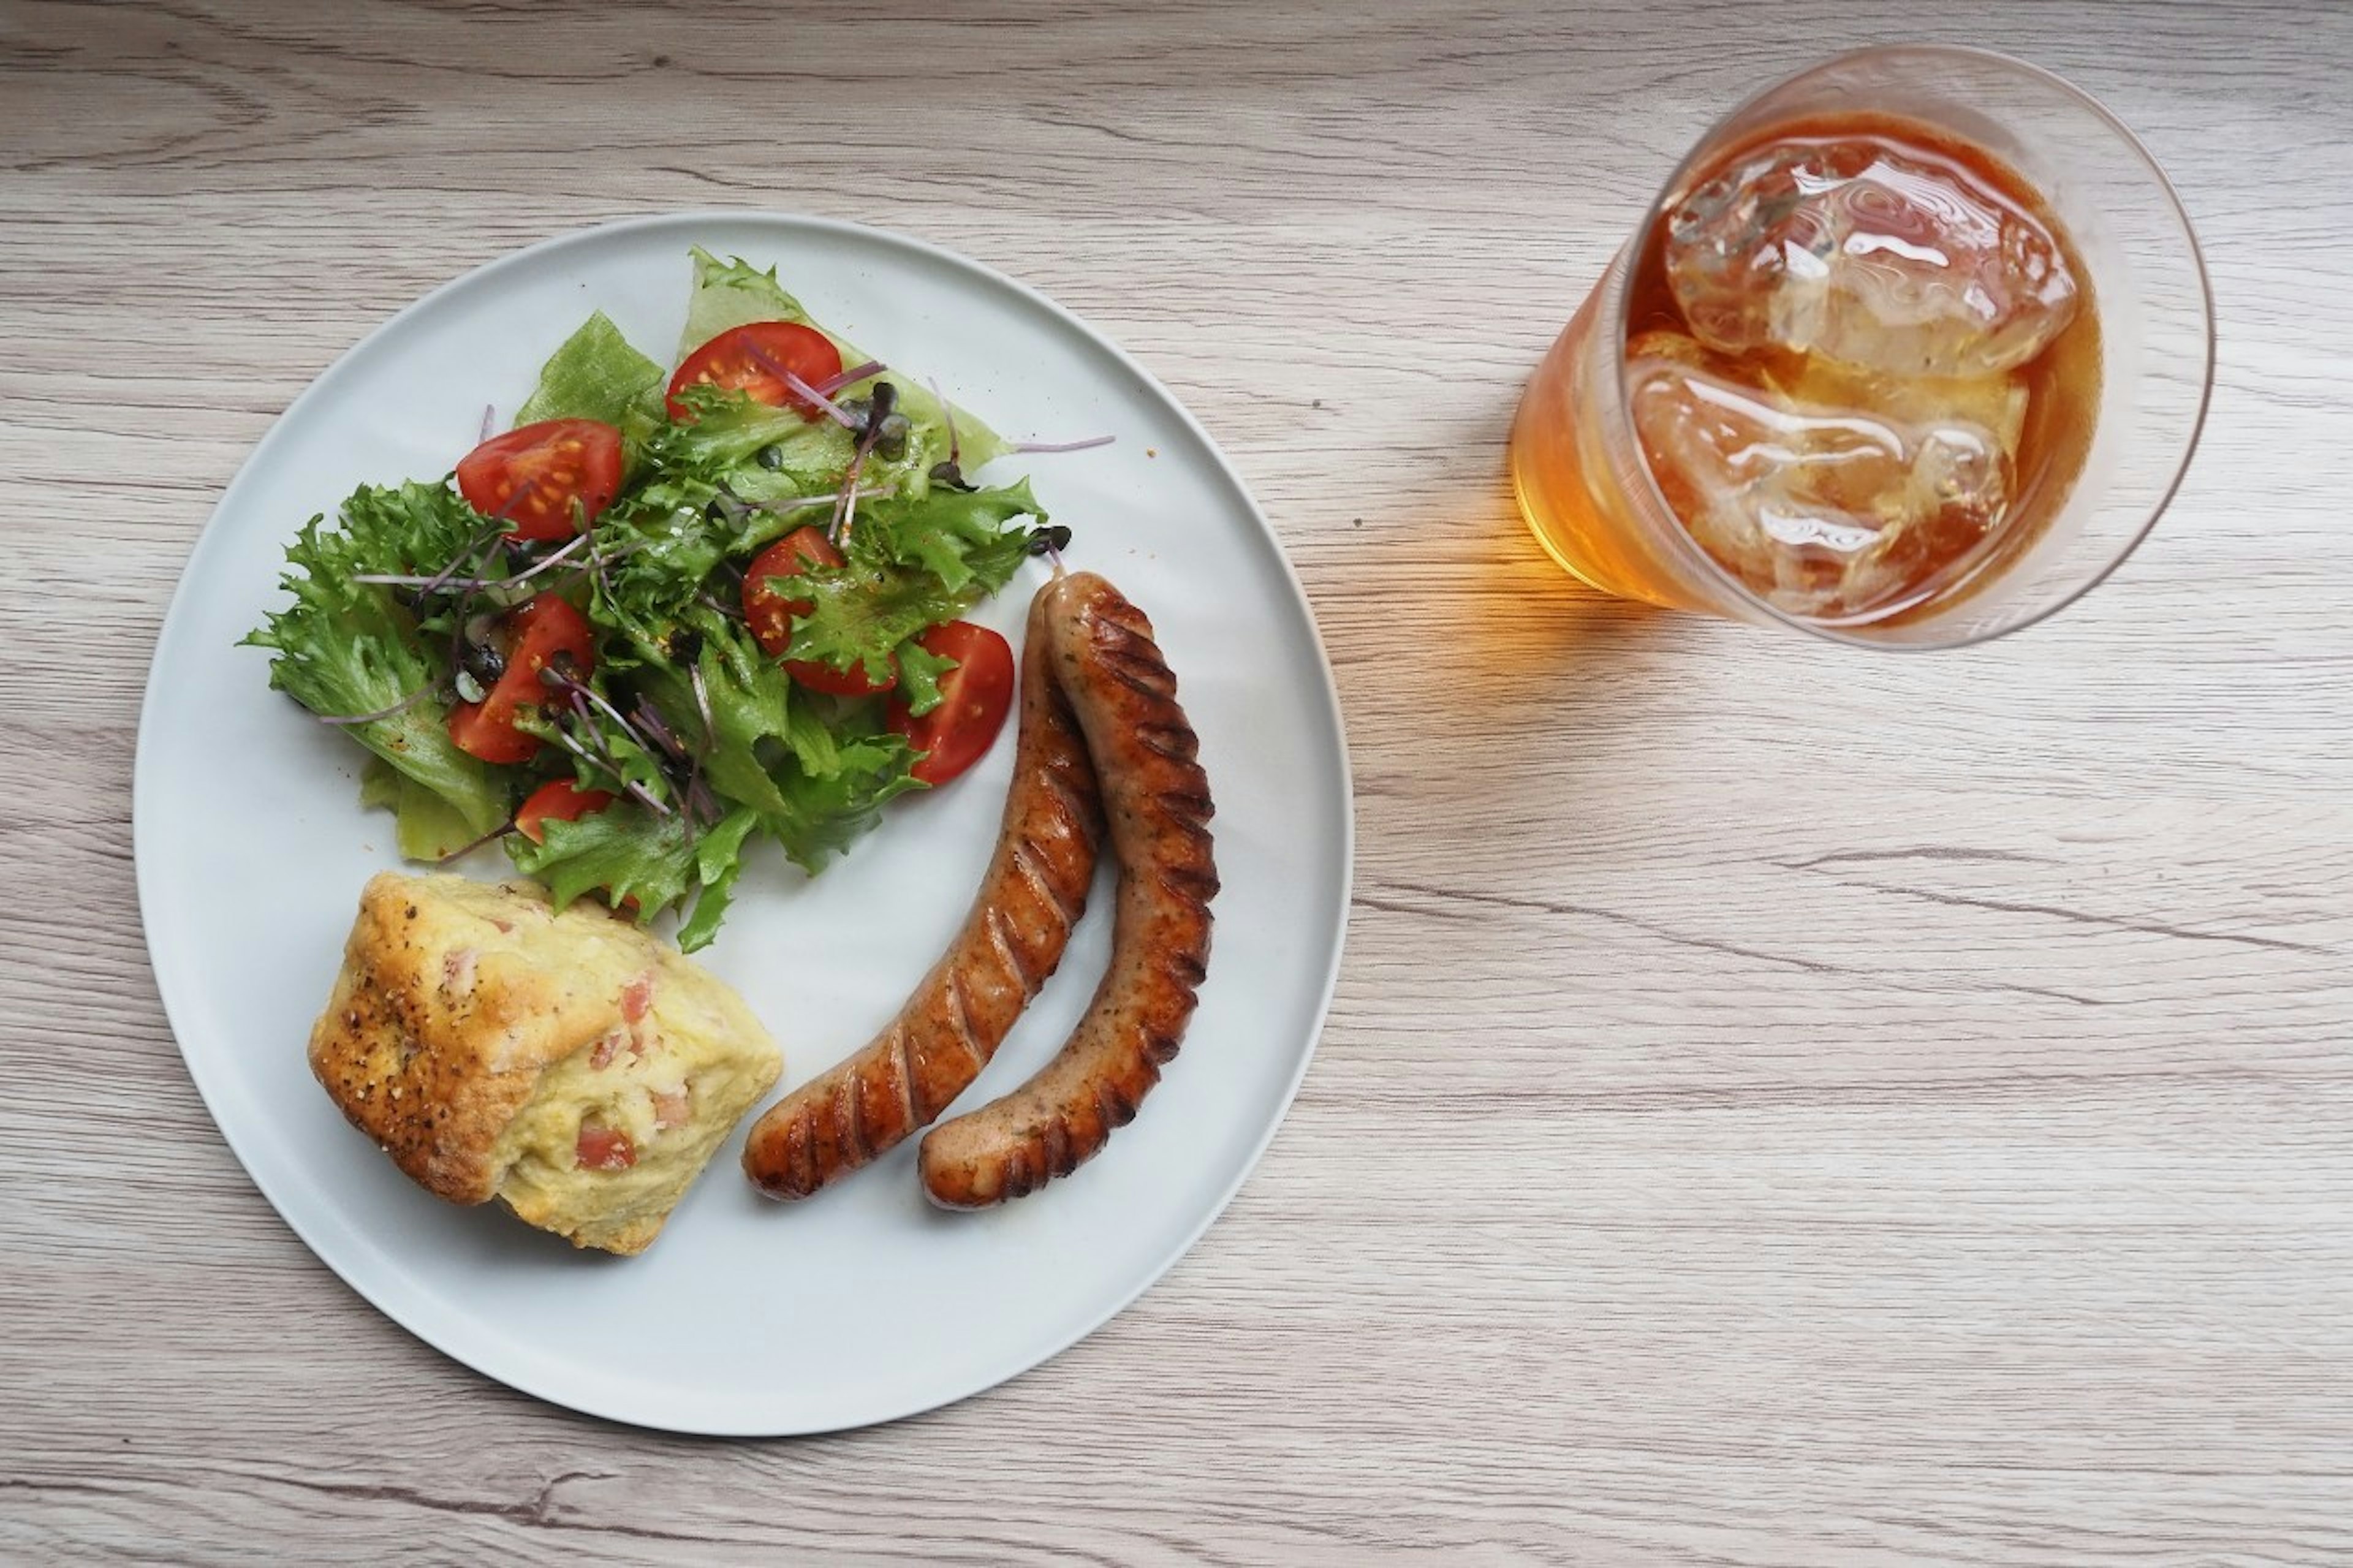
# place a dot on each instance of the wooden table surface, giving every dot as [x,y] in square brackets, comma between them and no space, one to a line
[1782,1106]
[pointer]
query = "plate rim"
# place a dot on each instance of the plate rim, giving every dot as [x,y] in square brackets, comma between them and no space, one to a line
[143,785]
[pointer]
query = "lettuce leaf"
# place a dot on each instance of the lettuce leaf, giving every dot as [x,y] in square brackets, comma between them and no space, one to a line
[596,375]
[751,703]
[959,537]
[913,563]
[629,854]
[734,293]
[824,814]
[725,432]
[344,647]
[919,677]
[425,827]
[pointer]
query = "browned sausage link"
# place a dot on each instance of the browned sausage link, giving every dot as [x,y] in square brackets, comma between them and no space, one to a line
[1156,800]
[1034,892]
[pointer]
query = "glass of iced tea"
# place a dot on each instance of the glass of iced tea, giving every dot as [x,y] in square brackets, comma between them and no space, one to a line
[1910,351]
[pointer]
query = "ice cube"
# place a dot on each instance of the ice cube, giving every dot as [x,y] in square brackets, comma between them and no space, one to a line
[1826,509]
[1893,261]
[1995,402]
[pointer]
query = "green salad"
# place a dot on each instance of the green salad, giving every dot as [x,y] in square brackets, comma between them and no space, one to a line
[672,611]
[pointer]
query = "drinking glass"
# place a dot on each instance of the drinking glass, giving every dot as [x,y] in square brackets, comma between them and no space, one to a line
[1589,493]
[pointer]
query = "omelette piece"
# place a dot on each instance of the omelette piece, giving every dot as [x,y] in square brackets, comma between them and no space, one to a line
[569,1064]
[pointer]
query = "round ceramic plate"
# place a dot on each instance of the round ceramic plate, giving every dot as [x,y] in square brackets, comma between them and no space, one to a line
[748,1317]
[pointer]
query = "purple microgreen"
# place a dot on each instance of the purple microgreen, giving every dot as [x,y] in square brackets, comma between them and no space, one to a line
[469,585]
[550,559]
[579,688]
[716,608]
[845,500]
[629,786]
[650,721]
[1063,445]
[557,677]
[855,374]
[500,831]
[579,696]
[487,539]
[402,706]
[776,368]
[490,421]
[845,515]
[564,738]
[795,503]
[523,492]
[703,703]
[699,797]
[599,559]
[803,503]
[695,799]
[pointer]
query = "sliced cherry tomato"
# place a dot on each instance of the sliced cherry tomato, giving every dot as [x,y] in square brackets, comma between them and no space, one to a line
[532,477]
[752,359]
[771,614]
[604,1149]
[561,800]
[534,633]
[819,676]
[974,697]
[558,800]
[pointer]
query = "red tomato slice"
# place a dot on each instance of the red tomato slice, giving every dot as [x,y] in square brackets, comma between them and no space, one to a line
[535,632]
[974,697]
[561,800]
[532,477]
[771,614]
[558,800]
[604,1149]
[752,359]
[819,676]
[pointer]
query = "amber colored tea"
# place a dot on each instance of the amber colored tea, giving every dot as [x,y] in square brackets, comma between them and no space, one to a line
[1862,367]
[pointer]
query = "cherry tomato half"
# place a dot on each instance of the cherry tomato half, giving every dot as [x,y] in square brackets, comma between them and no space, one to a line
[531,475]
[533,633]
[771,614]
[752,359]
[974,697]
[561,800]
[557,800]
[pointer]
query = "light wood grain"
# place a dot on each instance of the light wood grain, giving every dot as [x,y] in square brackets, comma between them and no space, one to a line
[1782,1107]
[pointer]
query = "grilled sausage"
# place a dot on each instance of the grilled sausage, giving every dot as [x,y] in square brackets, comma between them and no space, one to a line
[1156,800]
[1034,892]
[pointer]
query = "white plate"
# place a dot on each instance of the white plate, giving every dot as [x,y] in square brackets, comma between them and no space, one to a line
[864,1303]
